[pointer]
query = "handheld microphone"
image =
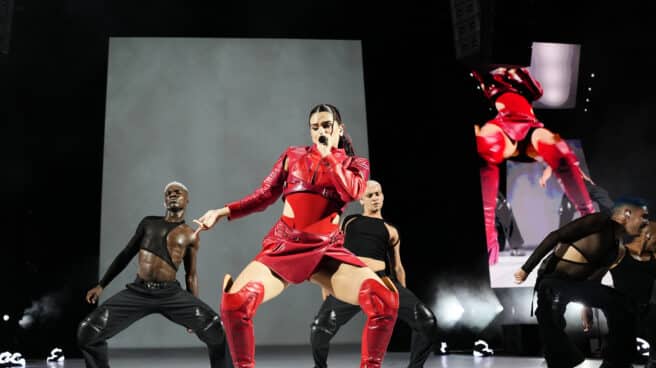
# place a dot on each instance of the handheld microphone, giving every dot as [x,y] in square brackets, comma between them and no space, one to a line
[323,140]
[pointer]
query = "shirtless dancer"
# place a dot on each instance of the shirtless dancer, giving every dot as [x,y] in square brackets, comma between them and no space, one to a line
[163,243]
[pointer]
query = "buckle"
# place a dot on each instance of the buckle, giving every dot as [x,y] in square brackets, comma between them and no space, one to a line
[153,285]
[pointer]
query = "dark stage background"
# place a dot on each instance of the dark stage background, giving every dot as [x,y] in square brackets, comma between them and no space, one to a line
[420,103]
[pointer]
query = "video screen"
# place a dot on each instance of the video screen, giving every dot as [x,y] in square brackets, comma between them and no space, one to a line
[531,208]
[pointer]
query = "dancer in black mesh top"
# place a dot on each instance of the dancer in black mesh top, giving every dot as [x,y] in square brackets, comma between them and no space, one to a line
[580,253]
[163,243]
[635,276]
[373,240]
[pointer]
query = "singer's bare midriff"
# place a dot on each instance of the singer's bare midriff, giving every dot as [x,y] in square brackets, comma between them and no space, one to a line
[288,211]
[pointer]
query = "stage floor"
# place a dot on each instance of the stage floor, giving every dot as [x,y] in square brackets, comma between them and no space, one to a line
[292,357]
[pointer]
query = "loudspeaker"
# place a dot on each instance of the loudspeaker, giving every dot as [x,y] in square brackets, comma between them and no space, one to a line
[522,340]
[6,13]
[493,31]
[466,22]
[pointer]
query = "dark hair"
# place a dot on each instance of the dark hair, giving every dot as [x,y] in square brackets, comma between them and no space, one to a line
[344,140]
[626,201]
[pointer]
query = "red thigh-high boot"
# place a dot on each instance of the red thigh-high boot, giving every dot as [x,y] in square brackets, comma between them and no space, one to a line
[490,147]
[380,304]
[563,162]
[237,312]
[489,189]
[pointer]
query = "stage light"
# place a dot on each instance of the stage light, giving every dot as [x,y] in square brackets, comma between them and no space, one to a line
[589,89]
[482,349]
[576,307]
[471,74]
[448,310]
[444,348]
[592,75]
[642,346]
[585,110]
[5,317]
[44,309]
[481,306]
[587,100]
[26,321]
[453,311]
[56,356]
[8,359]
[471,304]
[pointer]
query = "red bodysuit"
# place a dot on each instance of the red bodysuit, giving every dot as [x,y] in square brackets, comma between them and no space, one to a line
[516,118]
[317,189]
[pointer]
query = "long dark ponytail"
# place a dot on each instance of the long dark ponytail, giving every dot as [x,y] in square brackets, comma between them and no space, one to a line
[345,141]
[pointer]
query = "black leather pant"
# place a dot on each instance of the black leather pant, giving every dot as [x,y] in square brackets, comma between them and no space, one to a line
[138,301]
[553,296]
[334,313]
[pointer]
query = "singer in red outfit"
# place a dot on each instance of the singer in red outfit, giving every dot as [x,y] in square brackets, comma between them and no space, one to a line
[515,133]
[316,183]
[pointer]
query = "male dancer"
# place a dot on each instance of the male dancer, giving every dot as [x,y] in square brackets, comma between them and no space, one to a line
[163,243]
[372,239]
[635,276]
[583,251]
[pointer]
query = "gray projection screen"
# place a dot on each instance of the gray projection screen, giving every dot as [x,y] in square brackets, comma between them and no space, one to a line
[215,114]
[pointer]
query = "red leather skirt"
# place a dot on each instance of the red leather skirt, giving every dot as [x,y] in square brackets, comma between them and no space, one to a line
[295,255]
[516,130]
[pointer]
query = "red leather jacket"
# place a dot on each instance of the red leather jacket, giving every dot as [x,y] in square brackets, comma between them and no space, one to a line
[338,177]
